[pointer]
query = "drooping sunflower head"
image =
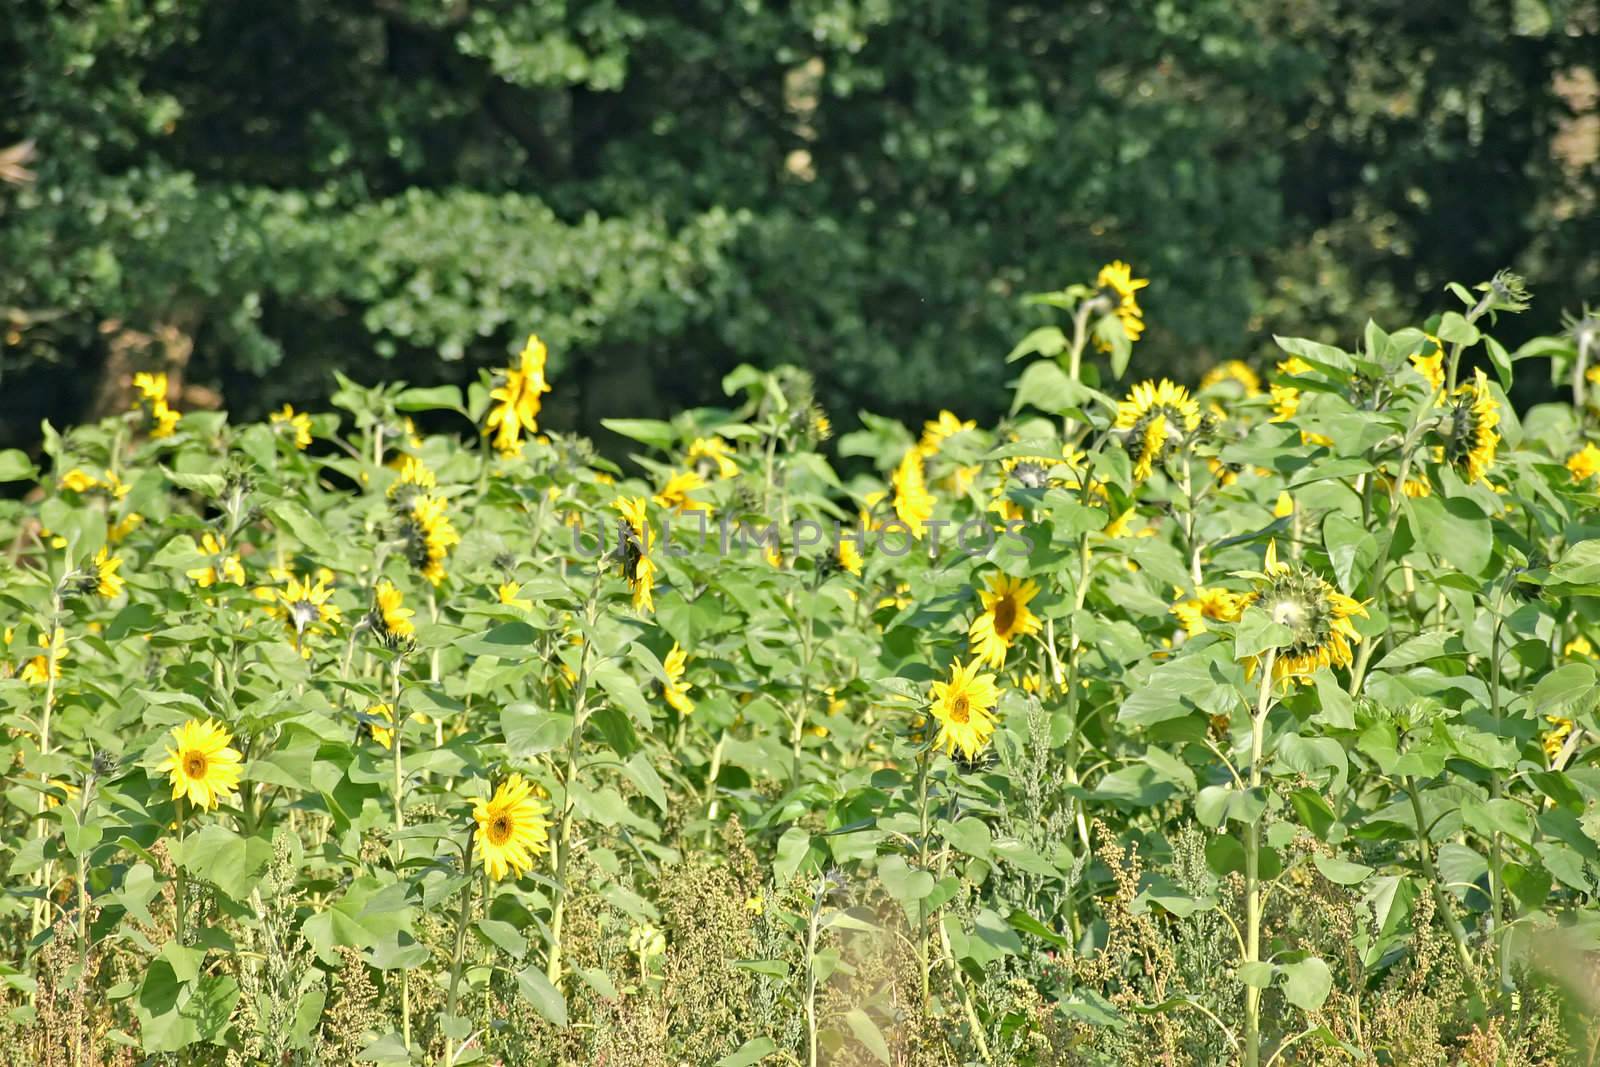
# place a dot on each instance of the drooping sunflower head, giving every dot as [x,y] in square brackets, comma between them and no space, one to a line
[912,501]
[633,550]
[1155,419]
[1005,617]
[390,619]
[1316,614]
[379,724]
[1116,287]
[676,691]
[1429,362]
[429,536]
[415,477]
[511,828]
[201,763]
[963,707]
[1469,429]
[99,576]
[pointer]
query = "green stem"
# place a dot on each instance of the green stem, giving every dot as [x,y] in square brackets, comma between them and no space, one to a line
[1252,866]
[563,837]
[397,746]
[459,952]
[923,760]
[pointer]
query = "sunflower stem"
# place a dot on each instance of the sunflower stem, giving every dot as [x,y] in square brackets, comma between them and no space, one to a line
[563,836]
[397,745]
[459,953]
[1252,866]
[52,668]
[923,760]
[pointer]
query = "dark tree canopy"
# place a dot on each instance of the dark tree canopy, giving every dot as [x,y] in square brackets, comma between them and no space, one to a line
[256,193]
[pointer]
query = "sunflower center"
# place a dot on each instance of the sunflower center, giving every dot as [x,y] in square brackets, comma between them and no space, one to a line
[500,829]
[961,710]
[194,765]
[1005,615]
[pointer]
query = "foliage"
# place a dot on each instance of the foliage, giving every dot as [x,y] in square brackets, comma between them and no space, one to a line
[1248,724]
[860,189]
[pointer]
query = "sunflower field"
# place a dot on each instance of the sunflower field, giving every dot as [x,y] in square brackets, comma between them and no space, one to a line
[1249,721]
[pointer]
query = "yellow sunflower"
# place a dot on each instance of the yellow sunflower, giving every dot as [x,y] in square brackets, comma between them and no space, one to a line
[384,735]
[107,582]
[1555,738]
[633,531]
[964,708]
[1286,398]
[1208,602]
[1470,438]
[936,431]
[1154,419]
[41,668]
[390,617]
[1117,284]
[201,763]
[712,454]
[224,567]
[519,399]
[1316,613]
[430,535]
[676,691]
[1234,371]
[1005,617]
[512,828]
[297,424]
[850,555]
[1584,463]
[674,496]
[1578,647]
[912,501]
[124,526]
[1430,362]
[303,604]
[507,595]
[413,475]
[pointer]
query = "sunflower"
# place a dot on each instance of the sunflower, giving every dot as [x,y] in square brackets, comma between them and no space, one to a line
[42,668]
[512,828]
[201,764]
[1208,602]
[1584,463]
[296,424]
[507,595]
[912,501]
[676,690]
[1317,615]
[964,707]
[633,533]
[430,535]
[1578,648]
[124,526]
[1005,617]
[936,431]
[151,387]
[849,555]
[1286,398]
[107,582]
[1235,371]
[303,604]
[1117,285]
[1469,432]
[1430,364]
[1283,507]
[820,425]
[152,390]
[223,566]
[674,496]
[390,617]
[78,480]
[1555,739]
[712,454]
[519,399]
[1155,418]
[384,735]
[414,476]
